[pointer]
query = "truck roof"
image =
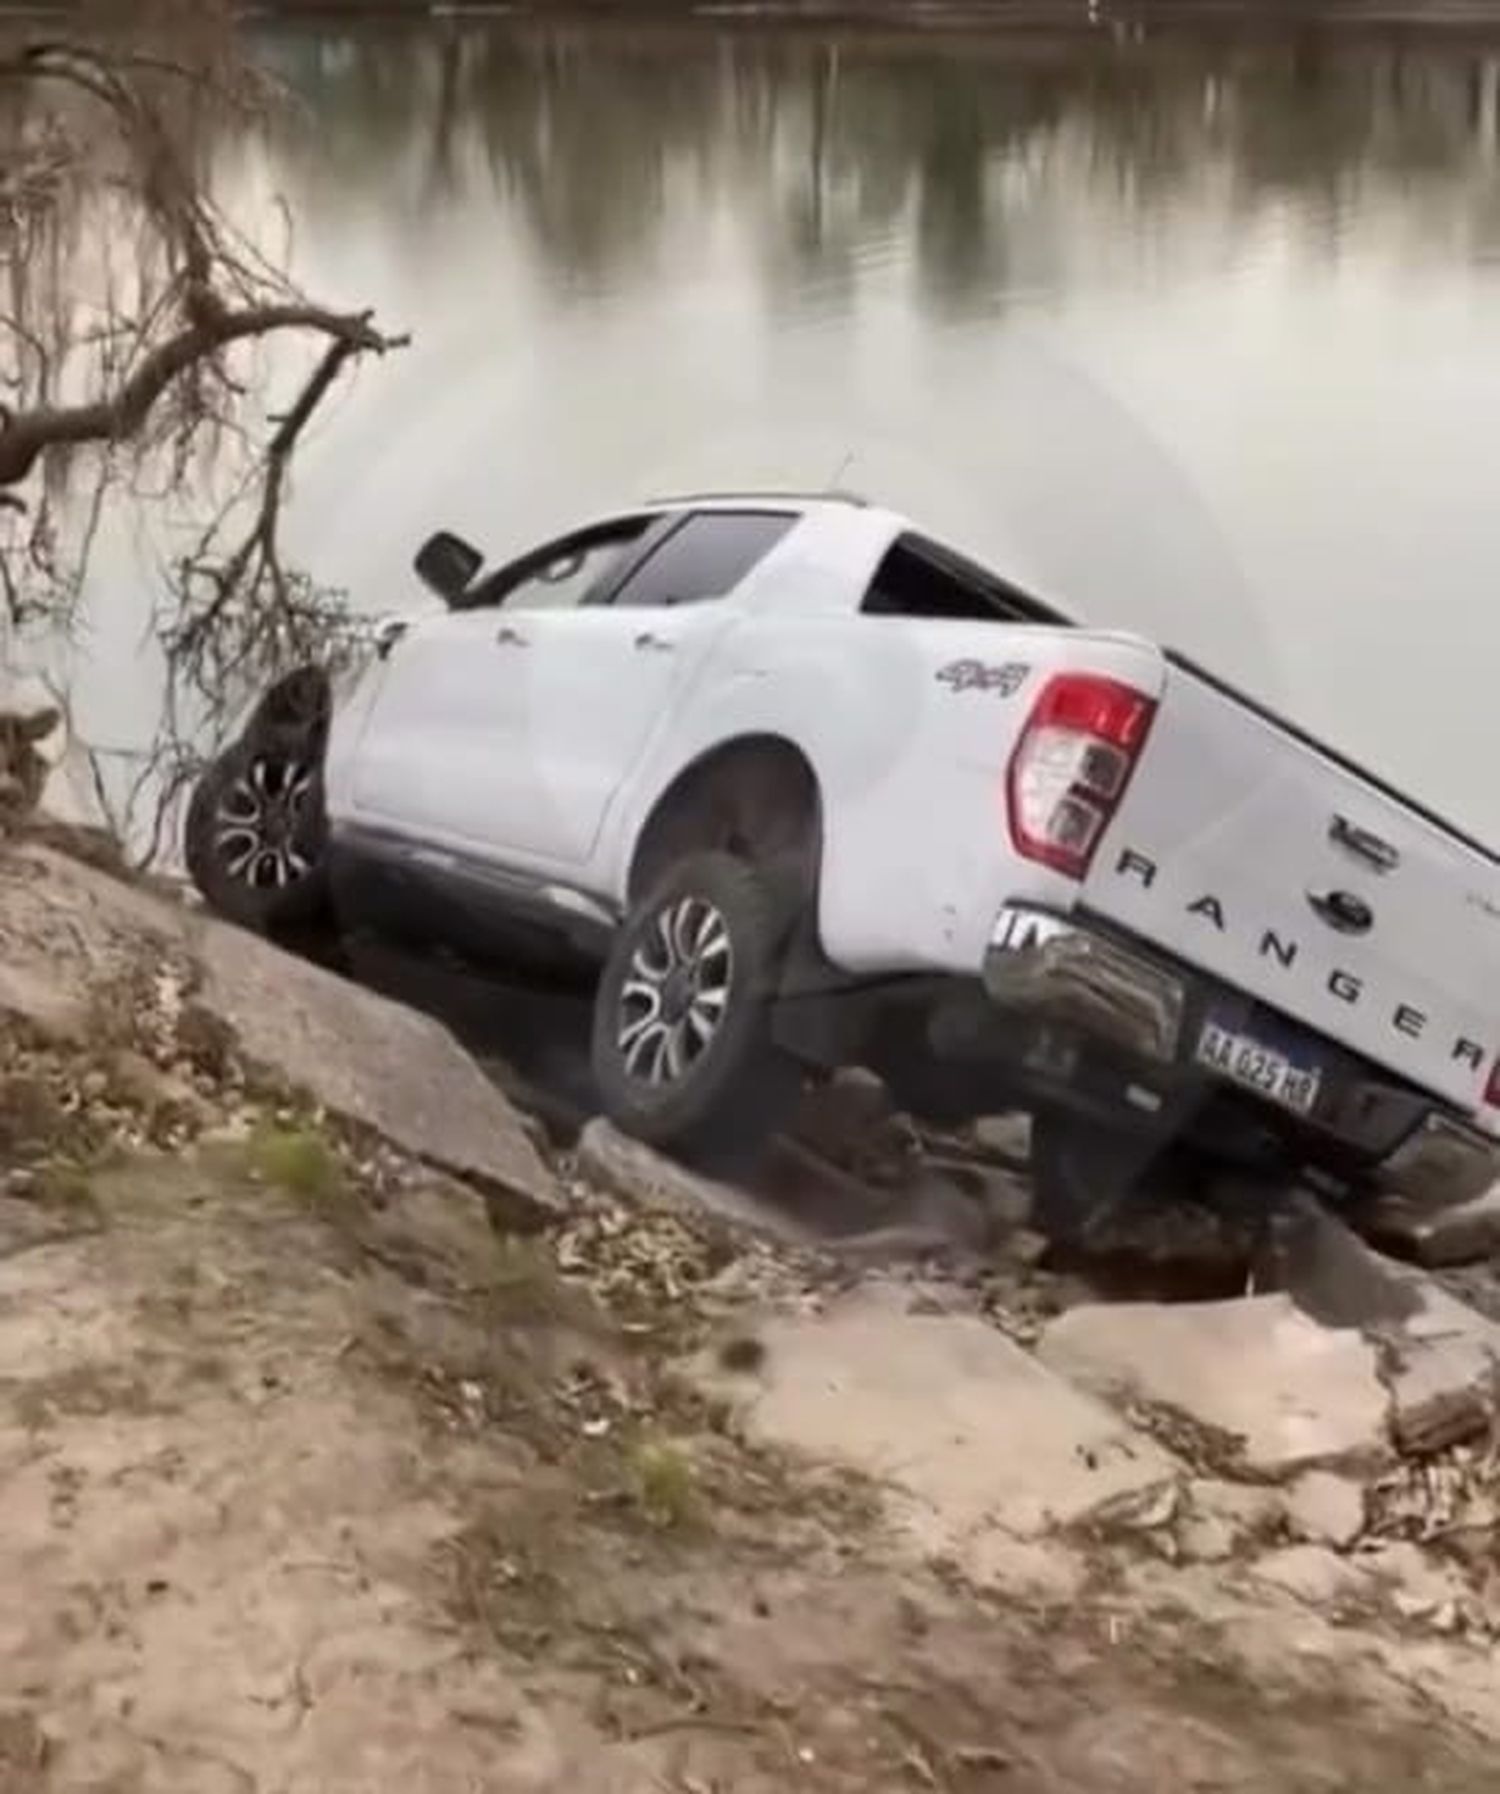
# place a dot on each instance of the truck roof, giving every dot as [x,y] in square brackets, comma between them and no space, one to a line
[853,533]
[802,498]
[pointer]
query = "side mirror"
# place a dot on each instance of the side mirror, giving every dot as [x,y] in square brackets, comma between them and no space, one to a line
[447,564]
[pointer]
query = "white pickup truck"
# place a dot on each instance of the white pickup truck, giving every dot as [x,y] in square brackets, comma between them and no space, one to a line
[800,786]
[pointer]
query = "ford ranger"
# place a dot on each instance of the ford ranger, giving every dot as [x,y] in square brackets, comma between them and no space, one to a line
[798,785]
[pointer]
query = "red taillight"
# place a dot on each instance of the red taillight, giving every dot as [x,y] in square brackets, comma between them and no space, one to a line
[1071,766]
[1492,1089]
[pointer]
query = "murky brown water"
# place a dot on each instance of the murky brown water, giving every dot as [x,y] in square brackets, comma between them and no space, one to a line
[1202,337]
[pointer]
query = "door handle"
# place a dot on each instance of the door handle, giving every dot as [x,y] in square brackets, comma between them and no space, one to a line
[510,638]
[647,640]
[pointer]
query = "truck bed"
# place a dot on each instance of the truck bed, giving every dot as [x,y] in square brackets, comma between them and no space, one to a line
[1254,851]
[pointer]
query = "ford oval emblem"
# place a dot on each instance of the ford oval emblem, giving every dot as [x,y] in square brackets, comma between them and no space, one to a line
[1342,910]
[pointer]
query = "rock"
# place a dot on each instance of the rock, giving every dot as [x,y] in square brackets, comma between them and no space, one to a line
[638,1173]
[1439,1356]
[362,1057]
[970,1431]
[1006,1138]
[1311,1256]
[1324,1509]
[1464,1235]
[1296,1394]
[549,1118]
[1313,1574]
[1443,1370]
[373,1062]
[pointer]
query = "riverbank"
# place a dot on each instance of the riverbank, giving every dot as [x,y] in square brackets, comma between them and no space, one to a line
[352,1422]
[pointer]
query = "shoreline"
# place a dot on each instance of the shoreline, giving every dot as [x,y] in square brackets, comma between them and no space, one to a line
[907,17]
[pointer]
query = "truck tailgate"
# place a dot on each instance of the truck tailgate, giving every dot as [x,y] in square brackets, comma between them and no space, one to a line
[1257,855]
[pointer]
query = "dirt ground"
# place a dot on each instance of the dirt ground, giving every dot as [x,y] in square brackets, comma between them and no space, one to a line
[309,1485]
[313,1478]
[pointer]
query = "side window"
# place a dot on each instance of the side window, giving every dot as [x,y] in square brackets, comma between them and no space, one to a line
[563,574]
[705,557]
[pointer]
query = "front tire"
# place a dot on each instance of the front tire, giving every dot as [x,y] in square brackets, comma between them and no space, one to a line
[256,836]
[682,1049]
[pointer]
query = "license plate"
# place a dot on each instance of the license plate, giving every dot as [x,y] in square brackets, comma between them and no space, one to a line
[1258,1067]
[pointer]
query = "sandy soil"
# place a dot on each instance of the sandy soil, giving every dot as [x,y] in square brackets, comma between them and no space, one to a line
[304,1488]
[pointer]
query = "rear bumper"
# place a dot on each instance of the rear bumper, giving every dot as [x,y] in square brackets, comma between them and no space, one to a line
[1063,976]
[1051,970]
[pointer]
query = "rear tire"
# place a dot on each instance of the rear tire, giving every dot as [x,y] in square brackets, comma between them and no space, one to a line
[682,1049]
[256,836]
[1082,1171]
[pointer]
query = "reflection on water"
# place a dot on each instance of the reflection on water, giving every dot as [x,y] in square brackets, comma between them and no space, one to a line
[1199,336]
[978,154]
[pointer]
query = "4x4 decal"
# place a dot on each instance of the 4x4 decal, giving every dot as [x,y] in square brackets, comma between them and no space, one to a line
[974,675]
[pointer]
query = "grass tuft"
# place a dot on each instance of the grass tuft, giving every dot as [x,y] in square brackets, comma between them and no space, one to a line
[299,1160]
[663,1483]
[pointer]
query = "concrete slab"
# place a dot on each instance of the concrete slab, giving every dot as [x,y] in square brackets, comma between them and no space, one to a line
[1439,1357]
[968,1432]
[1465,1235]
[1294,1393]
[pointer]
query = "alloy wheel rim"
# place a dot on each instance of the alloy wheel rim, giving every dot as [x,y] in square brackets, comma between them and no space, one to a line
[257,825]
[676,992]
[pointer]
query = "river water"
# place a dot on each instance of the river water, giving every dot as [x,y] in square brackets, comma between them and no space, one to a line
[1200,336]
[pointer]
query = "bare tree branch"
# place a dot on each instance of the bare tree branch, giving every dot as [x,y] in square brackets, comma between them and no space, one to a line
[257,559]
[123,414]
[129,300]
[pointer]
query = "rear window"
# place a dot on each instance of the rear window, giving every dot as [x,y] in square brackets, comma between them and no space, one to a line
[705,557]
[919,578]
